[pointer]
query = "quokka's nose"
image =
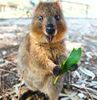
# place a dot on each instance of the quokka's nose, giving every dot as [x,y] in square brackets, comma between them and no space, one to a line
[50,29]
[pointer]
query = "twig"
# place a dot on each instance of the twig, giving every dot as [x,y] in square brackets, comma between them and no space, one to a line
[8,72]
[88,93]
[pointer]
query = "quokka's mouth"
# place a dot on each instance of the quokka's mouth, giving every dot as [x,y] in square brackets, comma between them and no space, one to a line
[49,38]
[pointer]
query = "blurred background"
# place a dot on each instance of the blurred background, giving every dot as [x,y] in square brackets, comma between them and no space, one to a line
[81,19]
[24,8]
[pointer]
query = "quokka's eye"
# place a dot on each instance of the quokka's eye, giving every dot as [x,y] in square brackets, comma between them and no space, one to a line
[57,17]
[40,18]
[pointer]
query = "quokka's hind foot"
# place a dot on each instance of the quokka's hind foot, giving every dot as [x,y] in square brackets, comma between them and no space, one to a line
[33,95]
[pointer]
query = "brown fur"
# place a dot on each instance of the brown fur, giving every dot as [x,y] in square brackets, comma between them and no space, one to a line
[37,57]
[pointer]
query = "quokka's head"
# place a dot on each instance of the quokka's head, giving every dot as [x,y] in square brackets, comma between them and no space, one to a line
[48,25]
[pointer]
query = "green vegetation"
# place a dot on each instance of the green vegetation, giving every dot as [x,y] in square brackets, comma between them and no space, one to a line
[70,63]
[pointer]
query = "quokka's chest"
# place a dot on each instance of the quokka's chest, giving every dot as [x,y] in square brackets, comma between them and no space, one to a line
[55,53]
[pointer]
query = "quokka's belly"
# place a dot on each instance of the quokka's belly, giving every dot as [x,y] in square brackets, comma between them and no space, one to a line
[35,80]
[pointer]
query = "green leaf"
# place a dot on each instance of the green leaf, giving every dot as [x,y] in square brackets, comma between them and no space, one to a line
[73,59]
[67,65]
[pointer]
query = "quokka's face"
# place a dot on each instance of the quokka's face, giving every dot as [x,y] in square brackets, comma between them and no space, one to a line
[48,25]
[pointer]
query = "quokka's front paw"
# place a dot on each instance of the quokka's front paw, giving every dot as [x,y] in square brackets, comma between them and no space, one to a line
[57,70]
